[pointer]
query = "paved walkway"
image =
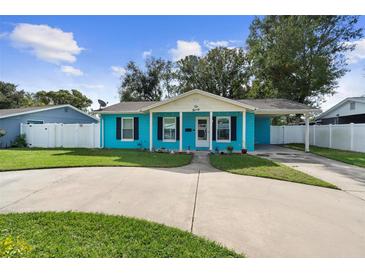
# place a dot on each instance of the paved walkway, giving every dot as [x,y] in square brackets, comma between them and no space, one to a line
[348,177]
[257,216]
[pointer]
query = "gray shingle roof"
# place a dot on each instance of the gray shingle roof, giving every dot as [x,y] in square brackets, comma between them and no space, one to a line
[260,104]
[10,111]
[273,104]
[128,106]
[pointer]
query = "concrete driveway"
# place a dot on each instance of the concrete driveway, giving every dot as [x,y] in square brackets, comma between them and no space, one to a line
[259,217]
[348,177]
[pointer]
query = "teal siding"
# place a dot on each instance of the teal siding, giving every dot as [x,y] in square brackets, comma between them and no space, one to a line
[189,119]
[108,122]
[110,139]
[160,143]
[262,130]
[237,145]
[250,131]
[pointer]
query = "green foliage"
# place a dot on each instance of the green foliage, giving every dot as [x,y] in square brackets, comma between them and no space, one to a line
[88,235]
[30,158]
[11,97]
[148,84]
[299,58]
[221,71]
[230,149]
[11,247]
[61,97]
[20,141]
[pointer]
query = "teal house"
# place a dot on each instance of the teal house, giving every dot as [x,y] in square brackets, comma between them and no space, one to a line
[195,120]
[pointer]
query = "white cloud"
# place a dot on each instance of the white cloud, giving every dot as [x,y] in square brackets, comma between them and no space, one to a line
[147,54]
[47,43]
[358,53]
[222,43]
[185,48]
[70,70]
[118,71]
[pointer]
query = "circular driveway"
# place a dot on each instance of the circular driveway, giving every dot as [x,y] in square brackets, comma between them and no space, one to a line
[259,217]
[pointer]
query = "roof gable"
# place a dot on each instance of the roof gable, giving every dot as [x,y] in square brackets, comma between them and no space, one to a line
[6,113]
[329,111]
[198,100]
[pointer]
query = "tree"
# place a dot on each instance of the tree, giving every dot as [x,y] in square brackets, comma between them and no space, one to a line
[222,71]
[299,57]
[149,84]
[11,97]
[73,97]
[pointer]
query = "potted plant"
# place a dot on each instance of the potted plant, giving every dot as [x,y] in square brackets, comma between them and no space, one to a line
[230,149]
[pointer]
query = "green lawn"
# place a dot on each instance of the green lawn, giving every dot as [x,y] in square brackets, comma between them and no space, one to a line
[32,158]
[349,157]
[75,235]
[260,167]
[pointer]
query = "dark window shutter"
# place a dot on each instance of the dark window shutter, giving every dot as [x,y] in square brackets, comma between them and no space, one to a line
[177,128]
[233,128]
[136,128]
[159,128]
[119,128]
[214,128]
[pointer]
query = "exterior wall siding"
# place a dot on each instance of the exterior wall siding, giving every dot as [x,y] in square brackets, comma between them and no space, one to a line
[250,131]
[237,145]
[158,144]
[108,124]
[63,115]
[110,137]
[262,130]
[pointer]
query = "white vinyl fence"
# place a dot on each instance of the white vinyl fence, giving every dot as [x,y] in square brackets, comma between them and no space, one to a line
[62,135]
[345,136]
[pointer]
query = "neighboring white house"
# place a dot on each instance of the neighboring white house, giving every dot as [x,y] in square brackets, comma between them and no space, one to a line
[350,110]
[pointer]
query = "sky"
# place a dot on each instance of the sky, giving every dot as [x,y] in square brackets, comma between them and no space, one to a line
[88,53]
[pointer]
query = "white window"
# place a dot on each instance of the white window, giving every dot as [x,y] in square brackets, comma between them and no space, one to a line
[223,129]
[169,129]
[352,105]
[127,129]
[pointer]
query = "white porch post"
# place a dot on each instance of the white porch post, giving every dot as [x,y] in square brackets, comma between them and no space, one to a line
[306,134]
[244,129]
[151,116]
[181,131]
[210,131]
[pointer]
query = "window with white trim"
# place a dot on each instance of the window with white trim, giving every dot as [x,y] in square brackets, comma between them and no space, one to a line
[223,129]
[127,129]
[169,129]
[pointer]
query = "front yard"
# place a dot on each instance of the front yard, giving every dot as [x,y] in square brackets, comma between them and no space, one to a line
[348,157]
[33,158]
[260,167]
[88,235]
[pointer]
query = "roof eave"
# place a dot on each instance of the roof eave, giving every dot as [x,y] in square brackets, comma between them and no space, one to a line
[48,108]
[285,111]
